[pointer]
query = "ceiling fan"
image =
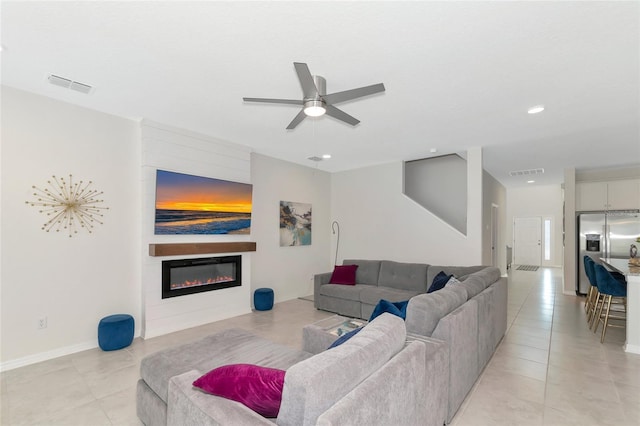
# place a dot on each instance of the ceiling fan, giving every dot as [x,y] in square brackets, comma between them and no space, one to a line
[316,102]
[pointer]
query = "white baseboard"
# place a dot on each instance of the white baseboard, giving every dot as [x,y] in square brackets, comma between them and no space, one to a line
[55,353]
[45,356]
[632,349]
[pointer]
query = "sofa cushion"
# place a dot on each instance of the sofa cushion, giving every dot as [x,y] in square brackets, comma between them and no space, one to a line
[439,281]
[474,285]
[345,274]
[453,281]
[314,385]
[233,346]
[458,288]
[259,388]
[457,271]
[404,276]
[348,292]
[398,309]
[425,310]
[488,275]
[368,270]
[372,295]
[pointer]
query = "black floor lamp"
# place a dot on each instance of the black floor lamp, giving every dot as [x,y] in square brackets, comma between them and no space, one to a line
[335,225]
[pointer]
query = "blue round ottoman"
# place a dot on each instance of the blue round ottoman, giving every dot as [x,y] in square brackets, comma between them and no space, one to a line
[263,299]
[115,332]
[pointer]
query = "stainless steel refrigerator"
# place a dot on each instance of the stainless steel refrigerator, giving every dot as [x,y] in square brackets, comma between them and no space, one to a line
[605,234]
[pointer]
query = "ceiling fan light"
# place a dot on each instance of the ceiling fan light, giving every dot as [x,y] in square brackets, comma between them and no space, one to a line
[314,108]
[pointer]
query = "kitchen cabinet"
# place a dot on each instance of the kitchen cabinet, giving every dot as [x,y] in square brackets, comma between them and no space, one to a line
[623,194]
[611,195]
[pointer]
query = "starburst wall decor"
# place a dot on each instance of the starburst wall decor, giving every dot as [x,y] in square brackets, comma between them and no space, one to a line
[70,205]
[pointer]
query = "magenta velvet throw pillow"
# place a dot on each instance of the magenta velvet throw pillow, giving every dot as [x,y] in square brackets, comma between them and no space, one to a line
[345,274]
[259,388]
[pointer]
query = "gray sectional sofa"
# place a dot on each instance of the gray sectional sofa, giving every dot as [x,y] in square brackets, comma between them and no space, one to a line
[377,377]
[469,316]
[413,372]
[375,280]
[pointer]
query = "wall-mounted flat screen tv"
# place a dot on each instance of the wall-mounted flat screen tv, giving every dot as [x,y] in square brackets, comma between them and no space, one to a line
[187,204]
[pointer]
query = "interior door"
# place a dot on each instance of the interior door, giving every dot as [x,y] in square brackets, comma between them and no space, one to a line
[527,241]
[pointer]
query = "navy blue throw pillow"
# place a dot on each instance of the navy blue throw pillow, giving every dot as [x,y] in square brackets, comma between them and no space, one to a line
[398,309]
[439,281]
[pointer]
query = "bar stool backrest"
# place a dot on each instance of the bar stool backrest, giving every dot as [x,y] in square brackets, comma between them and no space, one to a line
[607,284]
[589,269]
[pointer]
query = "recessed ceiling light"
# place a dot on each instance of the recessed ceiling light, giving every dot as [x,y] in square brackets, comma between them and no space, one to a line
[433,150]
[536,109]
[531,181]
[326,156]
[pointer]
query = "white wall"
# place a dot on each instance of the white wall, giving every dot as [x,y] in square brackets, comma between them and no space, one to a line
[288,270]
[377,221]
[494,194]
[538,201]
[72,281]
[570,235]
[181,151]
[76,281]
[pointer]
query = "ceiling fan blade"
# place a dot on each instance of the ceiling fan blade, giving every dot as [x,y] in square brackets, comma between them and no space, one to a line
[297,120]
[274,101]
[347,95]
[306,80]
[341,115]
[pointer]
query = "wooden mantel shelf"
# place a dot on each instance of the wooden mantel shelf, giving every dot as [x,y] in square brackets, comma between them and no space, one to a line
[200,248]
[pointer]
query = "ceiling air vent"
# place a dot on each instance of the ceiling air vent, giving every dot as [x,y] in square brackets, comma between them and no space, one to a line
[69,84]
[529,172]
[315,158]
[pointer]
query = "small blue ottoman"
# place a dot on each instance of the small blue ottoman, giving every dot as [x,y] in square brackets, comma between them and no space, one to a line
[115,332]
[263,299]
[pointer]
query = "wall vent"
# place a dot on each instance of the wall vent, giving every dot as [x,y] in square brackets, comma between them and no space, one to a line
[529,172]
[69,84]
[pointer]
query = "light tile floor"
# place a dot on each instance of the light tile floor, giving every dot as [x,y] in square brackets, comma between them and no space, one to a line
[549,369]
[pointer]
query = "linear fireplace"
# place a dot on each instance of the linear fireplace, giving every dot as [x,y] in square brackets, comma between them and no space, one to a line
[188,276]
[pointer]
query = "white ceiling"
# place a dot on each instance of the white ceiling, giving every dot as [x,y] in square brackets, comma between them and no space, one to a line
[457,75]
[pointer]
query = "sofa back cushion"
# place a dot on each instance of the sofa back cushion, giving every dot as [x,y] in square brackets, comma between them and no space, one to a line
[474,285]
[488,275]
[312,386]
[425,310]
[367,272]
[404,276]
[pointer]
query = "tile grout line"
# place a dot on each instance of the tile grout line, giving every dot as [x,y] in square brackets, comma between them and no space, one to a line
[546,377]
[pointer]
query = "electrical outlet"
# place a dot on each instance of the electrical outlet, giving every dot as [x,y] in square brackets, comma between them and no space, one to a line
[42,323]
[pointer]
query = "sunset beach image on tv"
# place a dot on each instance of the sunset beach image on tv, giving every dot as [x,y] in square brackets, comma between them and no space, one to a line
[187,204]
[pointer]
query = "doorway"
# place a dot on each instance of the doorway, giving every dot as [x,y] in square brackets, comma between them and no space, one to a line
[527,241]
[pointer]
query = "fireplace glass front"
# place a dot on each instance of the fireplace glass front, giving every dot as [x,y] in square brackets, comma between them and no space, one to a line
[187,276]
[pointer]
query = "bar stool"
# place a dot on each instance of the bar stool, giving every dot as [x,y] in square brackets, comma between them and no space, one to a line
[593,290]
[612,291]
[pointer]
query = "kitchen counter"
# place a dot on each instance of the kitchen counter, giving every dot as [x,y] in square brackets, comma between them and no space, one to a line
[632,273]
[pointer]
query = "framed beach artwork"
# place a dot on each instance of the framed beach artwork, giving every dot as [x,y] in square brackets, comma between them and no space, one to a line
[190,205]
[295,224]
